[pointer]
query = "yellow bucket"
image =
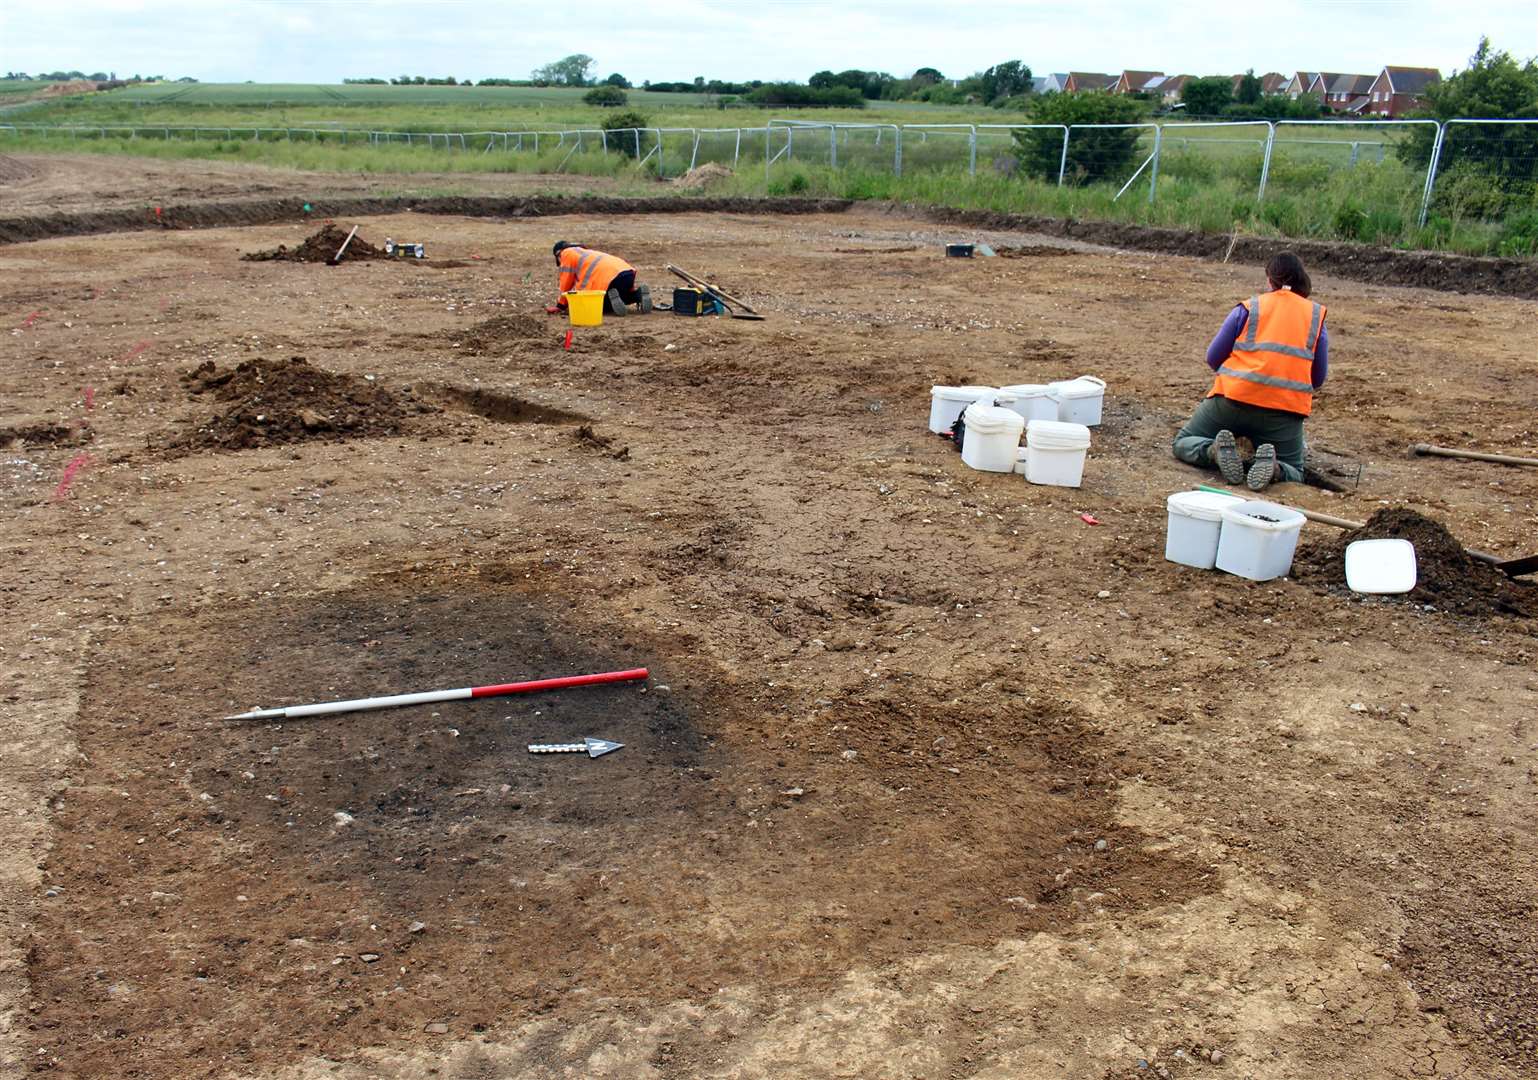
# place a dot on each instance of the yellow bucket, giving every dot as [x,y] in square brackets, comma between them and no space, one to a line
[585,308]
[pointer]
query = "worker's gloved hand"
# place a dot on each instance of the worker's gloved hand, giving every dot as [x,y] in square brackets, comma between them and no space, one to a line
[552,310]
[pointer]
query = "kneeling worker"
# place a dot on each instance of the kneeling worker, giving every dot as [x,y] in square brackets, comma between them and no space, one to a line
[585,270]
[1270,356]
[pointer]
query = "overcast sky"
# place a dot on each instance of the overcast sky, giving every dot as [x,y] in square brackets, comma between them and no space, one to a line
[326,40]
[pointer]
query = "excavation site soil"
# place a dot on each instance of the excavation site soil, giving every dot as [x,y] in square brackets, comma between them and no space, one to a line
[936,774]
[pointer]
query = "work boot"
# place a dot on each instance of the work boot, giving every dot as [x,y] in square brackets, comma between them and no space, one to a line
[1224,453]
[1263,471]
[616,305]
[646,299]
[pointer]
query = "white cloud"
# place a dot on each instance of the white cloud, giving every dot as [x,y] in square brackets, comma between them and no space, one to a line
[325,40]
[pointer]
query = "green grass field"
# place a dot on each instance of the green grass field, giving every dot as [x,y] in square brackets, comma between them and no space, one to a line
[1335,181]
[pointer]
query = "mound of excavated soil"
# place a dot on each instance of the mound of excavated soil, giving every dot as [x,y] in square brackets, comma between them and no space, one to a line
[1446,578]
[274,402]
[703,176]
[320,247]
[46,433]
[498,334]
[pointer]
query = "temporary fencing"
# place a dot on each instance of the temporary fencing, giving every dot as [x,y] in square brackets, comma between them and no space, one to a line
[1488,166]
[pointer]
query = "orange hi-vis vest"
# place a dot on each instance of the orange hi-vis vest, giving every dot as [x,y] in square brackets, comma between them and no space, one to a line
[1272,364]
[585,270]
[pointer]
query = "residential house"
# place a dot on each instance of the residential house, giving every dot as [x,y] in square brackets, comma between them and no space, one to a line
[1172,87]
[1398,90]
[1298,85]
[1134,82]
[1348,93]
[1319,86]
[1055,83]
[1273,82]
[1089,80]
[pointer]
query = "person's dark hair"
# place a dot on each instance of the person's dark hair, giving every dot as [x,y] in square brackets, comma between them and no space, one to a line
[1285,268]
[562,245]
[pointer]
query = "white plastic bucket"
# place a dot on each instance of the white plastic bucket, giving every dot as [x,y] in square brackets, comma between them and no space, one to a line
[947,402]
[1258,540]
[1195,521]
[1054,452]
[1079,401]
[993,438]
[1033,401]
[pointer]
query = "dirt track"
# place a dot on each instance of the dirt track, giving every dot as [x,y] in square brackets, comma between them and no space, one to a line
[895,703]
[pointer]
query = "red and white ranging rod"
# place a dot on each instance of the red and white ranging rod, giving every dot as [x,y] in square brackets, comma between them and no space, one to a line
[360,704]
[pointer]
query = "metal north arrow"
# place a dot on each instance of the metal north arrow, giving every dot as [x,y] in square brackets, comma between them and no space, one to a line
[592,747]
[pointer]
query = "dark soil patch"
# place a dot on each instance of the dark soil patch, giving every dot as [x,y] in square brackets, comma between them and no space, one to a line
[274,402]
[586,436]
[502,333]
[342,882]
[321,247]
[1446,577]
[500,407]
[47,433]
[1032,251]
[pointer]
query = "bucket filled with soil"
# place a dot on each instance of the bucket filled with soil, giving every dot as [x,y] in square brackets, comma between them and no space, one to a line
[1448,579]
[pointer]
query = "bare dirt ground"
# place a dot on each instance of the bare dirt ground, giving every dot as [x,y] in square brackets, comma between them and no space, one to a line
[895,708]
[50,183]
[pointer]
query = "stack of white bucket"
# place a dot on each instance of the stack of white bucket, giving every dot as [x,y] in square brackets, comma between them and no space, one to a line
[1249,538]
[1054,417]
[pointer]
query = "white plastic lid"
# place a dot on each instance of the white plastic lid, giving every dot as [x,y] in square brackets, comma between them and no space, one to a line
[1026,390]
[1202,505]
[962,393]
[1082,387]
[1265,516]
[1056,435]
[1380,566]
[987,419]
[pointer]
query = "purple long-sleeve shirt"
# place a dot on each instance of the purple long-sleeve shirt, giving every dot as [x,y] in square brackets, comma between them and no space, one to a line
[1234,325]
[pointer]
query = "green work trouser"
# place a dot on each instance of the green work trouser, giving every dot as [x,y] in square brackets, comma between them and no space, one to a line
[1283,430]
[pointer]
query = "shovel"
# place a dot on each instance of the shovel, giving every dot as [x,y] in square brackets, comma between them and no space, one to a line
[338,256]
[728,300]
[1510,567]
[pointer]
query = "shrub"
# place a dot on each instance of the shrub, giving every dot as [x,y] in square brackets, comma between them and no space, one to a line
[1518,236]
[1095,154]
[843,97]
[606,96]
[627,143]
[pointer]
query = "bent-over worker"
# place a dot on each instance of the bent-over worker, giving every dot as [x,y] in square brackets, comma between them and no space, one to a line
[1270,356]
[587,270]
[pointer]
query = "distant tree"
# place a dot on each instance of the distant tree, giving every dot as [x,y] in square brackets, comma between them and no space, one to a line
[1208,96]
[1248,92]
[618,80]
[821,80]
[790,93]
[1005,80]
[1094,154]
[573,70]
[927,76]
[607,96]
[1504,155]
